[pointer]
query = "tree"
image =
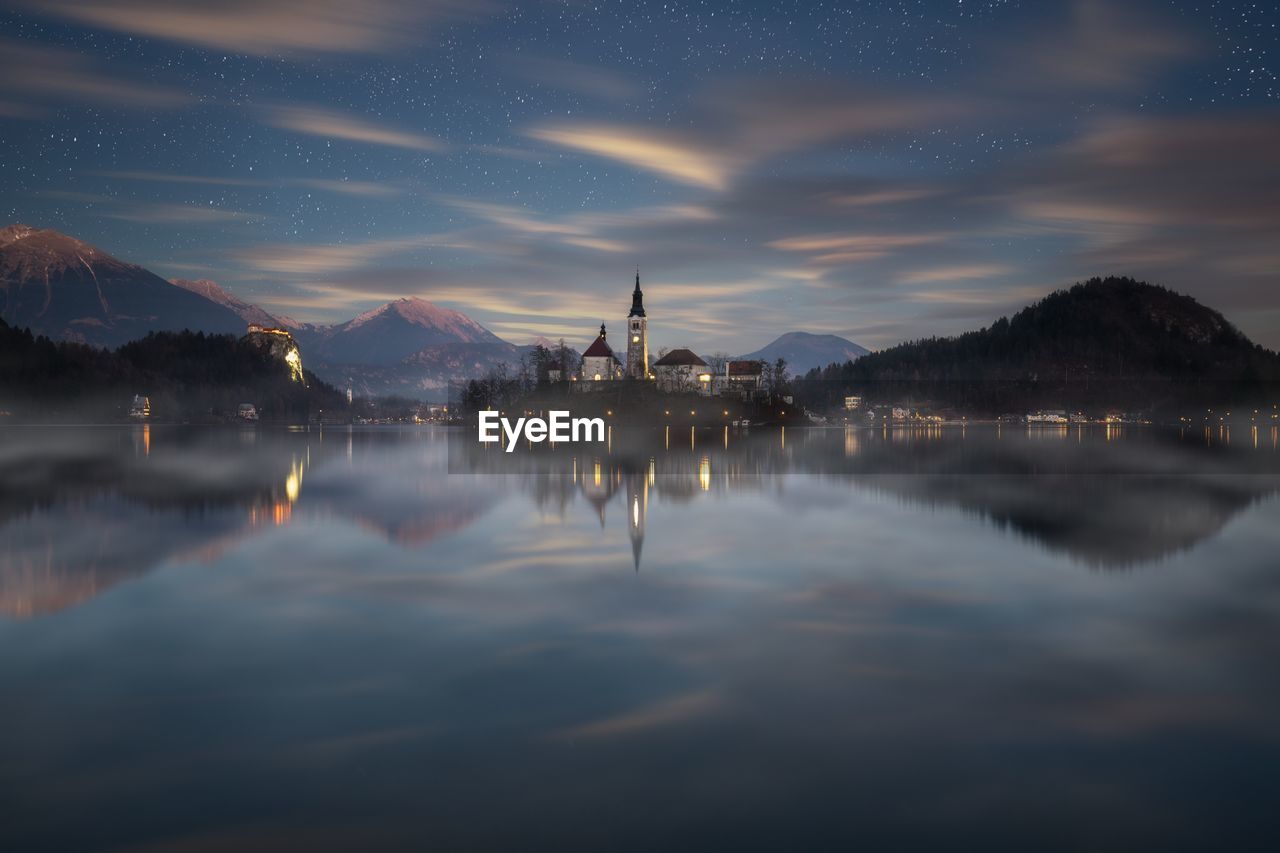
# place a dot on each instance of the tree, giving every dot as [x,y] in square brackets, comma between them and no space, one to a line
[776,376]
[541,359]
[569,363]
[717,361]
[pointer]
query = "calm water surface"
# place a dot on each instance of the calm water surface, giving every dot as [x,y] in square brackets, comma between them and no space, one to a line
[824,639]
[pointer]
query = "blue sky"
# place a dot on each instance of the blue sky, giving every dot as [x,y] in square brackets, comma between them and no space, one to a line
[877,170]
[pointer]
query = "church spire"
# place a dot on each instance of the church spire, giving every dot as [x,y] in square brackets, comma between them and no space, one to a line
[637,299]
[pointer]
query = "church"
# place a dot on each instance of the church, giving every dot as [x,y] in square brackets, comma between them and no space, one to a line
[680,370]
[599,362]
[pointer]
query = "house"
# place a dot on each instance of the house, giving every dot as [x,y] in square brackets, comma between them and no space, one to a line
[599,362]
[743,376]
[682,370]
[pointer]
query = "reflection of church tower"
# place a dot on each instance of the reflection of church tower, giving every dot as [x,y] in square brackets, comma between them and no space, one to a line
[637,336]
[637,509]
[599,485]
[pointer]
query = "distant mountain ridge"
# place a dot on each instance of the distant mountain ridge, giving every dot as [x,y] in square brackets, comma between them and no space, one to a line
[391,333]
[212,291]
[1106,327]
[66,289]
[1112,343]
[804,351]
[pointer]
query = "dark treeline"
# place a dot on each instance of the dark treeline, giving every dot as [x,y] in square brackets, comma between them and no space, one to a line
[188,376]
[1111,342]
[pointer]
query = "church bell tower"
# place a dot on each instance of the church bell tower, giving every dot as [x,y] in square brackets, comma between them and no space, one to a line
[637,336]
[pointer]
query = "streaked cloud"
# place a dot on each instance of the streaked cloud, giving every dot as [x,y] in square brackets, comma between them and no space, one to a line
[321,259]
[740,123]
[664,153]
[173,178]
[363,189]
[957,272]
[591,80]
[34,75]
[1101,46]
[344,186]
[151,212]
[272,27]
[331,124]
[878,244]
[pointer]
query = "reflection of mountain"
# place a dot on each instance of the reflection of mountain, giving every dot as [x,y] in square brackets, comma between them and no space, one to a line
[1110,522]
[1109,503]
[82,510]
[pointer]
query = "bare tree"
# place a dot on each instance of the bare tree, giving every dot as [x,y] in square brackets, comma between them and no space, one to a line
[717,361]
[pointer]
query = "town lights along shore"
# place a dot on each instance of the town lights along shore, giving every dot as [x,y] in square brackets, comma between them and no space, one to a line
[559,427]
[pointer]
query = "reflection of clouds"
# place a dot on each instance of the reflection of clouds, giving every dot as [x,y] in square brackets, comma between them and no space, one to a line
[86,509]
[667,712]
[818,660]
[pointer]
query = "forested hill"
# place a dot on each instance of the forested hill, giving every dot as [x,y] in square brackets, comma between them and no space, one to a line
[1111,328]
[187,375]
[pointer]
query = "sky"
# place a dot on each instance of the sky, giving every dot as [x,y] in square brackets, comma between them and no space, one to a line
[882,171]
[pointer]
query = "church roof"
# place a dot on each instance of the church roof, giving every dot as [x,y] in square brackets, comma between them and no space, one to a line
[678,358]
[599,349]
[745,368]
[637,299]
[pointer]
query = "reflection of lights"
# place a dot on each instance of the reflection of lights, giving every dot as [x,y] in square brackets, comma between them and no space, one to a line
[597,473]
[635,512]
[293,483]
[850,442]
[146,439]
[704,474]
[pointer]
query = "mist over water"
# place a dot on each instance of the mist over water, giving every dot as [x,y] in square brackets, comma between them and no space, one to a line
[1002,639]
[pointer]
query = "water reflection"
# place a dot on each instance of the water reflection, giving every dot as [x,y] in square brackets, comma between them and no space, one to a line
[875,638]
[1106,497]
[81,510]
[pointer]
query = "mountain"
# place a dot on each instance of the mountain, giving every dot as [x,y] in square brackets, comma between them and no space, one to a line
[247,313]
[188,376]
[426,374]
[1107,341]
[66,289]
[390,333]
[804,351]
[1108,327]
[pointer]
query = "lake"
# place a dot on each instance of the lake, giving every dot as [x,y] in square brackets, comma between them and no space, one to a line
[986,638]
